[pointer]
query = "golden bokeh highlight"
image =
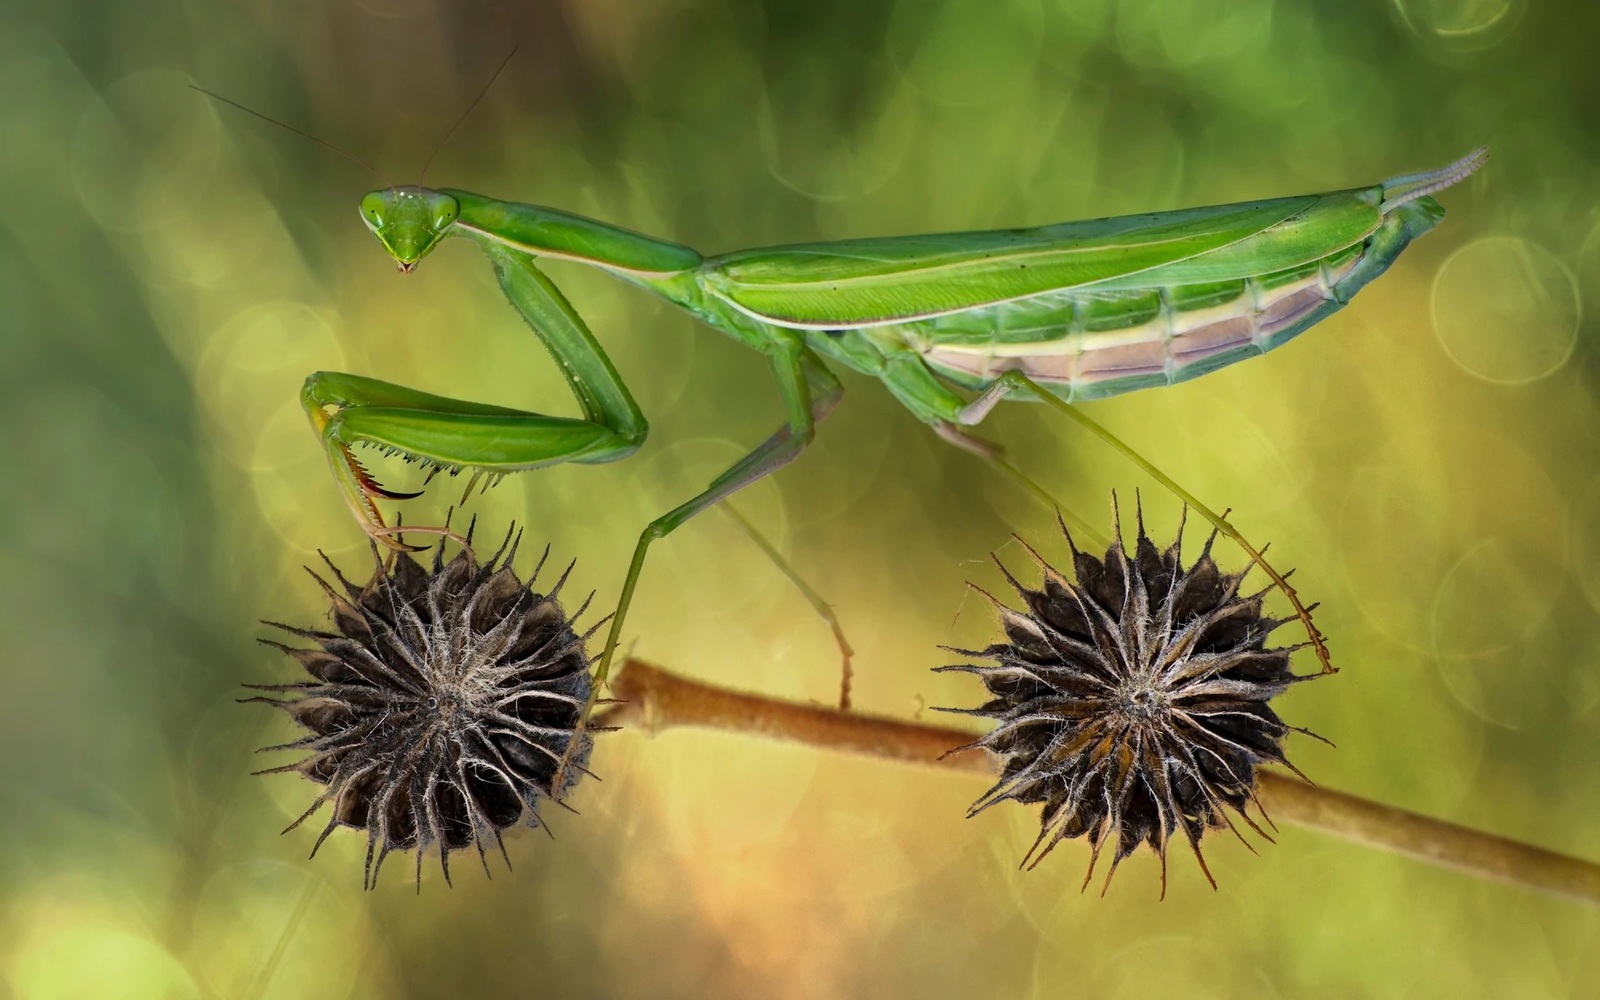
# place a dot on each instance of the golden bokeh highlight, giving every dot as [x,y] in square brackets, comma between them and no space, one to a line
[1506,310]
[71,952]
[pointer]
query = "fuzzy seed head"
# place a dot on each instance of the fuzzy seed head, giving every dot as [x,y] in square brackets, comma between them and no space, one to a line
[440,707]
[1133,702]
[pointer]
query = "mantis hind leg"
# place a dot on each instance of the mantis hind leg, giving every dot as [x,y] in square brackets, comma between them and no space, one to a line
[911,380]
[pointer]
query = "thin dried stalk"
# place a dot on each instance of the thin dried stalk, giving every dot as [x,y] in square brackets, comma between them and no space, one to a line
[654,700]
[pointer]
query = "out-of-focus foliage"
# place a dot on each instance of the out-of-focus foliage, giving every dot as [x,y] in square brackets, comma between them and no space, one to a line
[170,270]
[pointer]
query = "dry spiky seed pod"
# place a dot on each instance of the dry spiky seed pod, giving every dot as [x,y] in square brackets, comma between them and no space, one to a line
[441,706]
[1133,702]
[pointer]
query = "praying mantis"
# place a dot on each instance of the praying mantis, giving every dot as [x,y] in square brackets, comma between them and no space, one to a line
[951,324]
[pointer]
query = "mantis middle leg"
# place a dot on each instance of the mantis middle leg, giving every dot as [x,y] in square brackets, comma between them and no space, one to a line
[810,391]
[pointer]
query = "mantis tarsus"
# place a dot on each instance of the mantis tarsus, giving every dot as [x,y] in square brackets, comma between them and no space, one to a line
[951,324]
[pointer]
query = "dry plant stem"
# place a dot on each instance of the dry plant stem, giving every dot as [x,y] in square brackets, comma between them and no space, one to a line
[1447,845]
[654,700]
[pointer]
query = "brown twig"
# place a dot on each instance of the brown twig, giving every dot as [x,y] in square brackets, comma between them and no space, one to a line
[654,700]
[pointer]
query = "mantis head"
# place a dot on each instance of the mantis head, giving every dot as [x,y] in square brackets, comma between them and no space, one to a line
[409,221]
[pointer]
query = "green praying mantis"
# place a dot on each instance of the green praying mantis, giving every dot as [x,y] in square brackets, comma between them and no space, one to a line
[951,324]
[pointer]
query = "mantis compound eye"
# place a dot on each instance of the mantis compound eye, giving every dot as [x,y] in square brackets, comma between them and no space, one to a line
[372,210]
[444,212]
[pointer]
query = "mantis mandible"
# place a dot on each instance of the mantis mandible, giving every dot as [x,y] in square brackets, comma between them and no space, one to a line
[951,324]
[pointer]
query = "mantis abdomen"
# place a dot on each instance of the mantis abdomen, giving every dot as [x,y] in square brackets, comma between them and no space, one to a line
[1086,344]
[1101,340]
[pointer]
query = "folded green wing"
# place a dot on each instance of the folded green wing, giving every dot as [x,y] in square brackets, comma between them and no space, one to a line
[855,283]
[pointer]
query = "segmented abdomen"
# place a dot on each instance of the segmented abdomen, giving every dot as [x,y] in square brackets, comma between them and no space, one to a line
[1085,343]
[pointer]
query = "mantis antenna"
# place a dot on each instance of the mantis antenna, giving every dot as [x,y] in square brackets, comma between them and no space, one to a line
[325,144]
[353,157]
[422,180]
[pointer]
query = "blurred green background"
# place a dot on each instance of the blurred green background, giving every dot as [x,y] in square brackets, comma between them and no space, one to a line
[170,270]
